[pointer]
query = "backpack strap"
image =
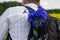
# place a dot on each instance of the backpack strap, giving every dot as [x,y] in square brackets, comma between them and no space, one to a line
[31,28]
[28,8]
[8,36]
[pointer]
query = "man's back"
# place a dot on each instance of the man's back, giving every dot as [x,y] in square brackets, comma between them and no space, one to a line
[15,19]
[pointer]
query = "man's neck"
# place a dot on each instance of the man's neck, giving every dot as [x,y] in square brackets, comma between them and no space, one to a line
[38,4]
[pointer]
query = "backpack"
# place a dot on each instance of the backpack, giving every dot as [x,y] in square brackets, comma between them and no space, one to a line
[50,29]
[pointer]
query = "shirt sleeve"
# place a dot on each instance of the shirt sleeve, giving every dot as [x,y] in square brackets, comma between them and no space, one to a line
[3,24]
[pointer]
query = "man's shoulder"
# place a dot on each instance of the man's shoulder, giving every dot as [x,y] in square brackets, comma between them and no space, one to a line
[16,8]
[12,11]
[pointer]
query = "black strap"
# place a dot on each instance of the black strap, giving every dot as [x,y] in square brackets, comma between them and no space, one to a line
[28,8]
[8,36]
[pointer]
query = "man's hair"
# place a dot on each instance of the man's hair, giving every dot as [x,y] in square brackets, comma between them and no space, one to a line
[31,1]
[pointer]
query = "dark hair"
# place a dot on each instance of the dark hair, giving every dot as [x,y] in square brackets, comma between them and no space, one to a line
[30,1]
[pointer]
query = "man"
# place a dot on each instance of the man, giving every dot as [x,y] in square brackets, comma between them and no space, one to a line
[15,19]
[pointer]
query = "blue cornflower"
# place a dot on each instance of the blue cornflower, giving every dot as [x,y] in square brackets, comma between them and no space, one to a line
[40,14]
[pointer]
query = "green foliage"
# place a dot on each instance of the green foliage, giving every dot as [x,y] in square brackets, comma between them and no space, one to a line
[53,11]
[5,5]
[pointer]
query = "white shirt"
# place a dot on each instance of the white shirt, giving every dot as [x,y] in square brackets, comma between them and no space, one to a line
[15,19]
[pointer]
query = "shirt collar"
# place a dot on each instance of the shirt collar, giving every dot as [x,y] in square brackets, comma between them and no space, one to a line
[32,5]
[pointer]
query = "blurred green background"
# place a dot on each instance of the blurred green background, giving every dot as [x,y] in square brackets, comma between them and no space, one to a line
[5,5]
